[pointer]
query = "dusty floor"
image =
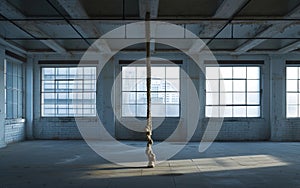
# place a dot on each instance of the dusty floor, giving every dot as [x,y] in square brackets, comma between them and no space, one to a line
[224,164]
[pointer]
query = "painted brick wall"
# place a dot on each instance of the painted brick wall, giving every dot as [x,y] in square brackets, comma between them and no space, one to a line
[14,131]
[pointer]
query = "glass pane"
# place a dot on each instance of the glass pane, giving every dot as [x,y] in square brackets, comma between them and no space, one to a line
[48,73]
[9,95]
[20,83]
[172,72]
[48,111]
[76,85]
[253,73]
[128,72]
[128,110]
[212,98]
[239,98]
[292,98]
[89,85]
[239,111]
[253,85]
[211,111]
[291,85]
[158,72]
[172,98]
[172,110]
[253,111]
[226,72]
[172,85]
[141,98]
[141,85]
[292,111]
[129,98]
[225,98]
[89,98]
[141,72]
[158,84]
[212,85]
[9,110]
[239,85]
[158,110]
[239,72]
[226,85]
[128,85]
[157,98]
[225,111]
[141,110]
[292,73]
[61,86]
[15,81]
[73,72]
[62,98]
[9,81]
[61,73]
[212,73]
[252,98]
[48,86]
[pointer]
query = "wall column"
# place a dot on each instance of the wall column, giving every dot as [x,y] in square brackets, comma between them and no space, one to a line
[29,98]
[2,100]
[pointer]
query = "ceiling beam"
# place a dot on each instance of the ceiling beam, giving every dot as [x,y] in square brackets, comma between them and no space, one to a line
[11,12]
[12,46]
[76,11]
[271,31]
[148,6]
[225,11]
[228,8]
[289,48]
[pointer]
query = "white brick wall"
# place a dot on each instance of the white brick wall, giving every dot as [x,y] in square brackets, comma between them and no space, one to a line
[14,131]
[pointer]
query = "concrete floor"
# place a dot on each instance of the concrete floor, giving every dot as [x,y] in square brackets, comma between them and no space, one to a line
[224,164]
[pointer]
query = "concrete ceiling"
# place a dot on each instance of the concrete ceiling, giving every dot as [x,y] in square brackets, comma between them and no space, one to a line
[229,26]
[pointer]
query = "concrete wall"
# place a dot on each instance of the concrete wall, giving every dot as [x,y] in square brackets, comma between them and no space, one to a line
[271,126]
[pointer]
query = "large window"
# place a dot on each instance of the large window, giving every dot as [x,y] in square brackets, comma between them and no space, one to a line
[165,89]
[233,91]
[292,92]
[68,91]
[13,74]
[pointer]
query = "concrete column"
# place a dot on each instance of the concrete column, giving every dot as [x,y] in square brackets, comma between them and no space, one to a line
[29,98]
[2,100]
[277,97]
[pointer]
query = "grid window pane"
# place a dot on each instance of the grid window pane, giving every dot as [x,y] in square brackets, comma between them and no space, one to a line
[13,76]
[292,92]
[68,91]
[239,89]
[165,88]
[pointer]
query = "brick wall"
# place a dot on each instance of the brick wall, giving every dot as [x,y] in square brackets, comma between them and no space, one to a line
[14,131]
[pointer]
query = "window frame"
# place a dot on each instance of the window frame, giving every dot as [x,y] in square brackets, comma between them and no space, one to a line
[291,64]
[18,62]
[155,64]
[239,64]
[54,65]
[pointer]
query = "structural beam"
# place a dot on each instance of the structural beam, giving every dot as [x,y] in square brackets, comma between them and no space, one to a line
[289,48]
[76,11]
[271,31]
[225,11]
[12,46]
[11,12]
[228,8]
[148,6]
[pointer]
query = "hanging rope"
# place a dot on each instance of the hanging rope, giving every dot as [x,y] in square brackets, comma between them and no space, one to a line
[149,152]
